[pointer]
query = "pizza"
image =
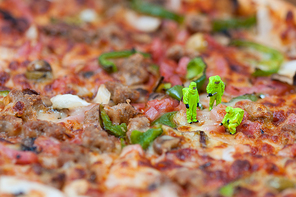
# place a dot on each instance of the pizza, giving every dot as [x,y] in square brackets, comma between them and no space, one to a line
[118,98]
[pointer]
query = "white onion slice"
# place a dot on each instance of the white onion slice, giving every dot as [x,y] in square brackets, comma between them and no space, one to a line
[67,101]
[142,22]
[103,95]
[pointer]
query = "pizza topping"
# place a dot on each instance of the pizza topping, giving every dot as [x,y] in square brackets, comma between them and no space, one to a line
[234,23]
[145,139]
[140,123]
[175,92]
[196,71]
[4,92]
[255,110]
[287,73]
[39,69]
[266,66]
[133,71]
[11,125]
[88,15]
[108,65]
[24,106]
[117,130]
[94,135]
[120,113]
[154,10]
[251,97]
[14,185]
[166,119]
[175,52]
[41,127]
[196,42]
[142,23]
[198,23]
[156,107]
[67,101]
[103,95]
[165,143]
[121,93]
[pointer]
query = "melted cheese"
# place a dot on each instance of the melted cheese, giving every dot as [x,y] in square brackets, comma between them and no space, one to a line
[14,185]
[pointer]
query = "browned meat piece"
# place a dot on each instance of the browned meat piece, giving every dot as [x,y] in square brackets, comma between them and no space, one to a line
[24,105]
[11,125]
[111,34]
[73,33]
[94,135]
[72,152]
[92,117]
[255,110]
[198,23]
[175,52]
[120,93]
[133,70]
[140,123]
[120,113]
[40,127]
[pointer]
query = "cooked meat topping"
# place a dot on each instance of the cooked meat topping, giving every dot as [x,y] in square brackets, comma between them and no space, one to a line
[73,33]
[133,70]
[11,125]
[120,113]
[24,105]
[41,127]
[175,52]
[140,123]
[93,135]
[92,117]
[198,23]
[111,34]
[120,93]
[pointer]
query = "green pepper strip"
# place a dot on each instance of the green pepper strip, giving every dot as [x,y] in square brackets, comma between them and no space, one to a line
[4,92]
[227,190]
[108,65]
[271,65]
[117,130]
[234,23]
[154,10]
[196,71]
[122,143]
[175,92]
[166,119]
[251,97]
[144,139]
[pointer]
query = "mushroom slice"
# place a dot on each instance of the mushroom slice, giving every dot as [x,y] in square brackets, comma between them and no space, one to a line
[165,143]
[287,73]
[39,69]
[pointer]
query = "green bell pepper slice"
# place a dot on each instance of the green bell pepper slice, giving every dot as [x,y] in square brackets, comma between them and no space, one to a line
[227,190]
[166,119]
[175,92]
[108,65]
[4,92]
[196,71]
[117,130]
[144,139]
[251,97]
[154,10]
[267,66]
[233,23]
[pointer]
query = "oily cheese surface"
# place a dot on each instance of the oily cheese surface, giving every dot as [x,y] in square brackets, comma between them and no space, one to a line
[77,119]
